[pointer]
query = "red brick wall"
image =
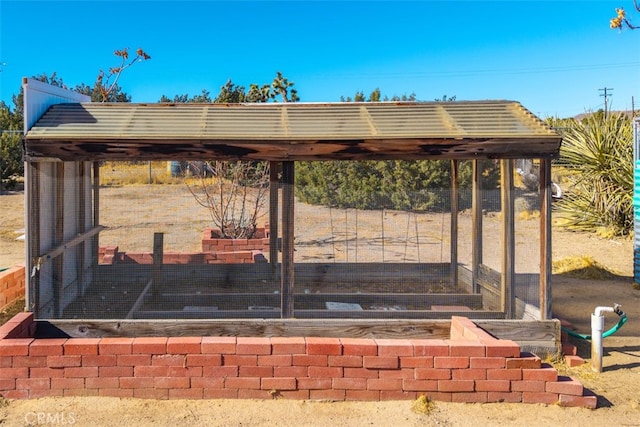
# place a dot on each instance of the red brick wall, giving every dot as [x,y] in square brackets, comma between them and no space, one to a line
[12,283]
[472,366]
[111,255]
[211,243]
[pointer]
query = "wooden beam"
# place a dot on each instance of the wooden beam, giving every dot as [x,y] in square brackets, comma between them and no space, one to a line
[32,221]
[508,238]
[139,301]
[158,257]
[58,261]
[288,208]
[81,226]
[545,239]
[96,208]
[476,219]
[273,215]
[47,256]
[454,222]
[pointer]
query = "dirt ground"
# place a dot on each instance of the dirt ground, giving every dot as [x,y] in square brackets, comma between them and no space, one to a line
[329,239]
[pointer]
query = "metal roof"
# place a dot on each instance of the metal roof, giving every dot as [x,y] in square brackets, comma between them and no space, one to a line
[290,131]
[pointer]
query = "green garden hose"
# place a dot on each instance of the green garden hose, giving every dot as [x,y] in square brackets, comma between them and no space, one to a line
[616,327]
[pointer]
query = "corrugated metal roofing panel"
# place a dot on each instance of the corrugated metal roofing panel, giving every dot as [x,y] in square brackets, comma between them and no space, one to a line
[289,121]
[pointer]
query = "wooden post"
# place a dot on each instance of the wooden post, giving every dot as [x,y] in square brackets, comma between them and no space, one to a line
[58,262]
[81,226]
[454,222]
[158,255]
[273,216]
[508,239]
[476,231]
[96,208]
[545,239]
[32,232]
[287,279]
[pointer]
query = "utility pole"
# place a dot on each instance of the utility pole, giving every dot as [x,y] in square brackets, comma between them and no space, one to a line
[606,92]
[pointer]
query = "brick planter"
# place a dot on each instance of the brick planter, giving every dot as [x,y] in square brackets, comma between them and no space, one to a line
[213,242]
[11,285]
[471,366]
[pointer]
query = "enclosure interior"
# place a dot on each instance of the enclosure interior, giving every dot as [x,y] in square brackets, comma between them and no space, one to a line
[144,250]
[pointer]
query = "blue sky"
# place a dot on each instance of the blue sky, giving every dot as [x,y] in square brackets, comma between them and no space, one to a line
[552,56]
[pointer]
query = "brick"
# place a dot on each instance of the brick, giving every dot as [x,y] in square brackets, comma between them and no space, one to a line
[279,384]
[81,346]
[99,360]
[288,345]
[349,383]
[214,393]
[465,348]
[7,362]
[501,348]
[542,374]
[255,371]
[310,360]
[290,371]
[33,383]
[150,371]
[43,392]
[63,361]
[587,401]
[293,394]
[345,361]
[573,361]
[240,360]
[398,395]
[136,382]
[81,372]
[46,347]
[569,349]
[168,360]
[151,393]
[565,385]
[14,372]
[220,371]
[499,396]
[328,346]
[469,374]
[487,362]
[242,383]
[362,395]
[504,374]
[150,345]
[384,384]
[493,385]
[254,394]
[184,345]
[315,383]
[171,382]
[429,347]
[379,362]
[16,394]
[115,345]
[325,372]
[455,385]
[207,382]
[115,392]
[65,383]
[528,386]
[394,347]
[275,360]
[432,374]
[26,361]
[15,346]
[115,371]
[133,360]
[102,382]
[327,395]
[526,362]
[253,345]
[539,397]
[416,362]
[420,385]
[45,373]
[470,397]
[447,362]
[204,360]
[440,396]
[218,345]
[359,347]
[189,393]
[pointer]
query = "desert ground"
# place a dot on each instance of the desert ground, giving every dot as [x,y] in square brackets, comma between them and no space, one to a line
[171,210]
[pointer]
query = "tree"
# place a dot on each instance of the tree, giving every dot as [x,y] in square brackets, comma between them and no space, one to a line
[107,82]
[11,164]
[597,153]
[621,20]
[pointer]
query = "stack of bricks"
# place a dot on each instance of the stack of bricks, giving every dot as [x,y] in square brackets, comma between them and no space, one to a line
[472,366]
[12,285]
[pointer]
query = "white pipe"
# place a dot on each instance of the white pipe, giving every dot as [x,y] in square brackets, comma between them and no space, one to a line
[597,326]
